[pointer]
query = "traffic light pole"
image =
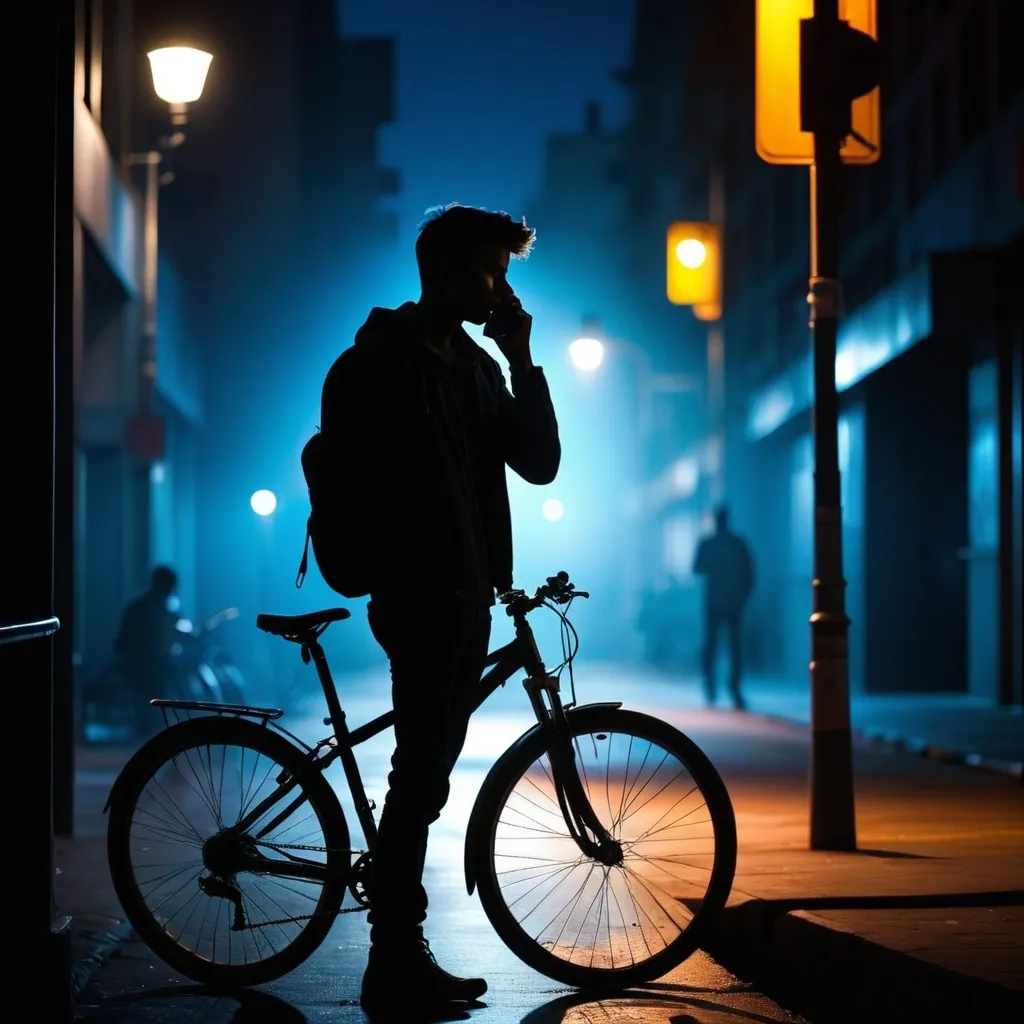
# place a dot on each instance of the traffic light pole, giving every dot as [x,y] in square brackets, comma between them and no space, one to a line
[833,824]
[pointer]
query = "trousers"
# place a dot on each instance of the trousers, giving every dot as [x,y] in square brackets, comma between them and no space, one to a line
[437,655]
[715,622]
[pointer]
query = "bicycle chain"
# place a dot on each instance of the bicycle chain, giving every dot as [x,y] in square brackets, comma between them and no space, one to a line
[298,846]
[292,920]
[304,917]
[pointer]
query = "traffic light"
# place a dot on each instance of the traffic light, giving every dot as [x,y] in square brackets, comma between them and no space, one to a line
[838,65]
[693,264]
[788,71]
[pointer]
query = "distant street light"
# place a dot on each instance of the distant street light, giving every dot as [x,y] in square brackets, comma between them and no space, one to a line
[552,510]
[263,502]
[586,354]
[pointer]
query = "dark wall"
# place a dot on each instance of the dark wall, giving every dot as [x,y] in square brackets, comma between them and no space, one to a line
[916,521]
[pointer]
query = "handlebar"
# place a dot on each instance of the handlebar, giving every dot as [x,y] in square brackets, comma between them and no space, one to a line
[557,589]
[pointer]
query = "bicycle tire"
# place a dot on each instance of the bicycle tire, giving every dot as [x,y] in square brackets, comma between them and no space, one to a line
[498,786]
[213,731]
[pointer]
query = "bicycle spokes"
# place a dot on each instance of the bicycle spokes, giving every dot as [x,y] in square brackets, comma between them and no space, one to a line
[617,913]
[230,896]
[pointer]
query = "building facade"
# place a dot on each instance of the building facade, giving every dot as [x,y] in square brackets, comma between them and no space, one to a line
[130,508]
[928,363]
[277,229]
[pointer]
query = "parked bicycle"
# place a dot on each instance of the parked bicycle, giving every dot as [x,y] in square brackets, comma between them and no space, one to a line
[602,842]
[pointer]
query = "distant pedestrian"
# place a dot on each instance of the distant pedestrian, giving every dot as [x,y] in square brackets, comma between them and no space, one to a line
[725,561]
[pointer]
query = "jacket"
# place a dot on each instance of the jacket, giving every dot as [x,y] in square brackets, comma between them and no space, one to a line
[384,394]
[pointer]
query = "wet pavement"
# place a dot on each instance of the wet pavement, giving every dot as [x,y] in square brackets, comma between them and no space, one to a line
[133,986]
[927,913]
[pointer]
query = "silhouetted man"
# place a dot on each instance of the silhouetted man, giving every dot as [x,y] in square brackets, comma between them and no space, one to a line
[431,409]
[725,561]
[146,635]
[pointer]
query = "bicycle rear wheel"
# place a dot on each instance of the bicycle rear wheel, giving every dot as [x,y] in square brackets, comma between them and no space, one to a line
[185,879]
[581,922]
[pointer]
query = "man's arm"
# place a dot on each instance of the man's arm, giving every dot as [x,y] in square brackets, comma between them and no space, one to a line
[527,424]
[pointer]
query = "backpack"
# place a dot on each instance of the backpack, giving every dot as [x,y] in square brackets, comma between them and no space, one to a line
[336,527]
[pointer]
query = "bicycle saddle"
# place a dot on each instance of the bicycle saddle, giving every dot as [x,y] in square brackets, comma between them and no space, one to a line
[297,625]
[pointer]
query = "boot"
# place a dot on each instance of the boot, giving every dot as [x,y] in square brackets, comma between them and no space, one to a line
[408,975]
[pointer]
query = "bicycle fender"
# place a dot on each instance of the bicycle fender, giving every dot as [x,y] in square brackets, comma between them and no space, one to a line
[486,796]
[143,755]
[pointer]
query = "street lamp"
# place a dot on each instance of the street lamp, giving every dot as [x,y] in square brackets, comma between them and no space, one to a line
[263,502]
[552,510]
[587,353]
[179,74]
[179,77]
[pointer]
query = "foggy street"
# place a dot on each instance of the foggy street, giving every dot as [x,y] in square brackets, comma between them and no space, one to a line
[660,364]
[135,986]
[764,764]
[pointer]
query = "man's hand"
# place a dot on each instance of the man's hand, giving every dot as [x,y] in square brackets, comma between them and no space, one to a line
[515,346]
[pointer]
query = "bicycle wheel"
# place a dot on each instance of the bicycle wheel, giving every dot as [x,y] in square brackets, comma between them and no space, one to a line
[179,875]
[578,921]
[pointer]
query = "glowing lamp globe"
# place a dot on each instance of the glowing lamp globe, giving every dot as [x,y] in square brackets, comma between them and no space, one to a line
[552,510]
[263,502]
[179,73]
[586,354]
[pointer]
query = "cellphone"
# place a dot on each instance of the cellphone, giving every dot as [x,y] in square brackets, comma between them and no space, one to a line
[503,322]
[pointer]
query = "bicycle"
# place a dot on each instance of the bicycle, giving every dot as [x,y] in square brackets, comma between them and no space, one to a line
[540,787]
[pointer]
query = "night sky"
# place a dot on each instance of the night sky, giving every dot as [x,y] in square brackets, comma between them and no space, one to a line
[481,85]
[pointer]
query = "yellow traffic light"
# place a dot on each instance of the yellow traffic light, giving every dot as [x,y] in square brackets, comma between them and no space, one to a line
[693,264]
[777,135]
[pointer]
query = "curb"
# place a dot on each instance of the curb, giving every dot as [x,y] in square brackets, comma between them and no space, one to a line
[896,743]
[102,947]
[831,974]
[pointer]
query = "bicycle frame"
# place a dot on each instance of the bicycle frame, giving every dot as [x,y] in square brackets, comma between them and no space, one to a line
[500,665]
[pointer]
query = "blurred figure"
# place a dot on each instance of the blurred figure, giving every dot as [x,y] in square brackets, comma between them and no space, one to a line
[725,561]
[147,634]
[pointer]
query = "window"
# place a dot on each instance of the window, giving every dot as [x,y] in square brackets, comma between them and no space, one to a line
[940,114]
[1009,66]
[916,148]
[973,76]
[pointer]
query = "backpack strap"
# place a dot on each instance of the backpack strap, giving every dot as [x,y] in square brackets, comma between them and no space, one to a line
[304,564]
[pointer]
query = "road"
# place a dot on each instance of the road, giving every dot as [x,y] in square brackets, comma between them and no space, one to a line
[135,987]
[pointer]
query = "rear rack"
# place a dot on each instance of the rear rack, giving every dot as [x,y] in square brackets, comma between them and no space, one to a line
[269,714]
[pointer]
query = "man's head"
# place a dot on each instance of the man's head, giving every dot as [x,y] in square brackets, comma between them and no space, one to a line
[721,518]
[463,255]
[163,581]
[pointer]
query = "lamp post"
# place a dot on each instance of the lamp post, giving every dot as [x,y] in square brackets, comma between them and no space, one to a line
[179,76]
[817,70]
[264,503]
[587,354]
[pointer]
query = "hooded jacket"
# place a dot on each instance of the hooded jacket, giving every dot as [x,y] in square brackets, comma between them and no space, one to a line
[388,397]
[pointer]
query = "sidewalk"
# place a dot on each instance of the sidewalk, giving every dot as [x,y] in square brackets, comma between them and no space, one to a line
[926,921]
[954,728]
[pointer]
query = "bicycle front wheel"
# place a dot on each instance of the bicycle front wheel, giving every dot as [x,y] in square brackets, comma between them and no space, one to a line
[588,924]
[227,907]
